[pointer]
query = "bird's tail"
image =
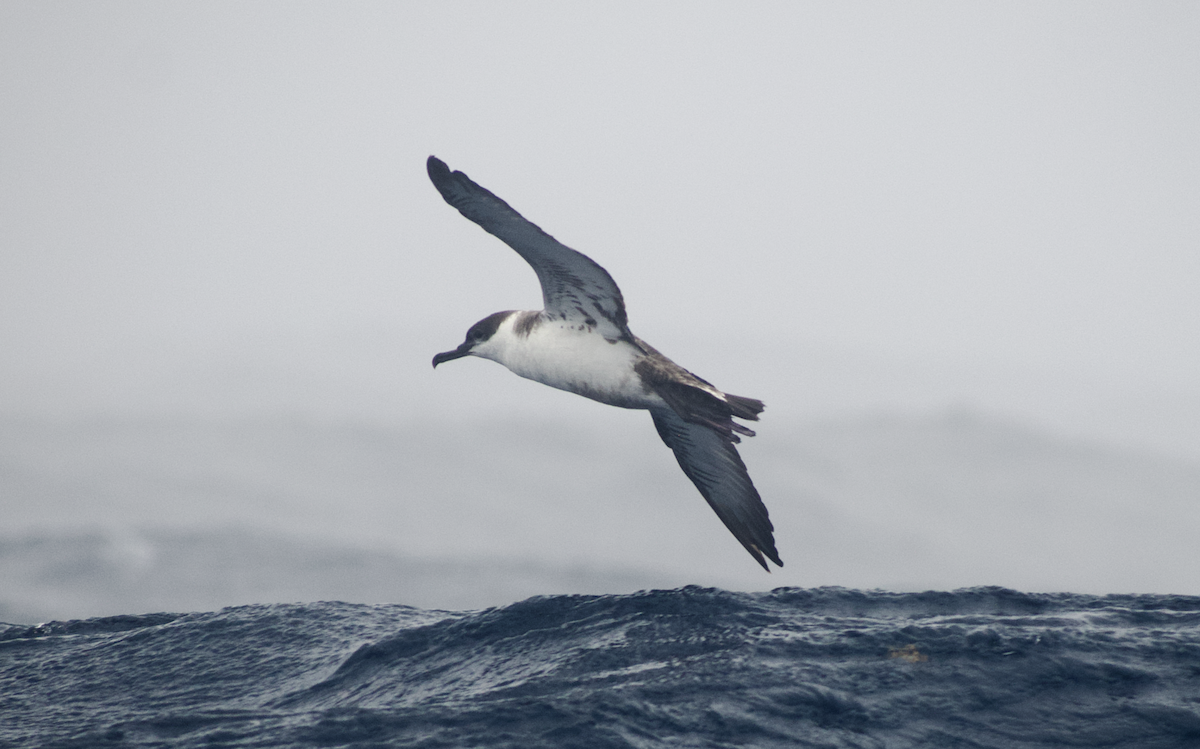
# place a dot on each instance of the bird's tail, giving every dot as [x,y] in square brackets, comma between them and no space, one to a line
[744,408]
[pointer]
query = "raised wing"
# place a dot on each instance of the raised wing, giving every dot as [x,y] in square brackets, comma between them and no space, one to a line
[574,287]
[712,463]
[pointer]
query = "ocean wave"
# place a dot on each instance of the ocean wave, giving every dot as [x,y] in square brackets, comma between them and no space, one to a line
[829,667]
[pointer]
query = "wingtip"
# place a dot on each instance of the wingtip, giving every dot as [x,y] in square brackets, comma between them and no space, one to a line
[758,555]
[436,168]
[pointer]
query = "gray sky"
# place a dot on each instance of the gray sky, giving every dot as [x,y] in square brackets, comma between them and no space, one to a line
[197,196]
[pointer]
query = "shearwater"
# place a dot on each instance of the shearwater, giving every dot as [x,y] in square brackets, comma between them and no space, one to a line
[581,343]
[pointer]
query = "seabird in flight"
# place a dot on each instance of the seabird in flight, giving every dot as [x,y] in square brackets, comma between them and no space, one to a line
[581,343]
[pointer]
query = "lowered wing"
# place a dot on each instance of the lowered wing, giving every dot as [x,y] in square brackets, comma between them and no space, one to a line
[712,463]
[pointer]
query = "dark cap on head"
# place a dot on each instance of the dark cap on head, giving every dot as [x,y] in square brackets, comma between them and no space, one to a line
[479,332]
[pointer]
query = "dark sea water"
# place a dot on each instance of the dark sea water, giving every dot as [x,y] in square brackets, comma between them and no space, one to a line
[830,667]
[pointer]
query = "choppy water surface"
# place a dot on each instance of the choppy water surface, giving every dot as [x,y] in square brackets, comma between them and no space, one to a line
[984,667]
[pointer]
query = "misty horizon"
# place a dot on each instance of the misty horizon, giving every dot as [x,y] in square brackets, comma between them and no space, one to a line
[214,215]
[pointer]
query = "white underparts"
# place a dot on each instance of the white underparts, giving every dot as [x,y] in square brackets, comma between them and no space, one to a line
[557,353]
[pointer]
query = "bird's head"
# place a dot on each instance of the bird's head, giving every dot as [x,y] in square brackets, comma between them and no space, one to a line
[478,339]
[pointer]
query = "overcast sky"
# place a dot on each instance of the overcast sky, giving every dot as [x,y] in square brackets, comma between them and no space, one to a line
[964,188]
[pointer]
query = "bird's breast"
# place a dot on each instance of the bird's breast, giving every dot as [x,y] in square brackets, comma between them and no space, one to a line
[581,362]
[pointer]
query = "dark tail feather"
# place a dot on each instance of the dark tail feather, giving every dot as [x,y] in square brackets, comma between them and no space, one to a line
[744,408]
